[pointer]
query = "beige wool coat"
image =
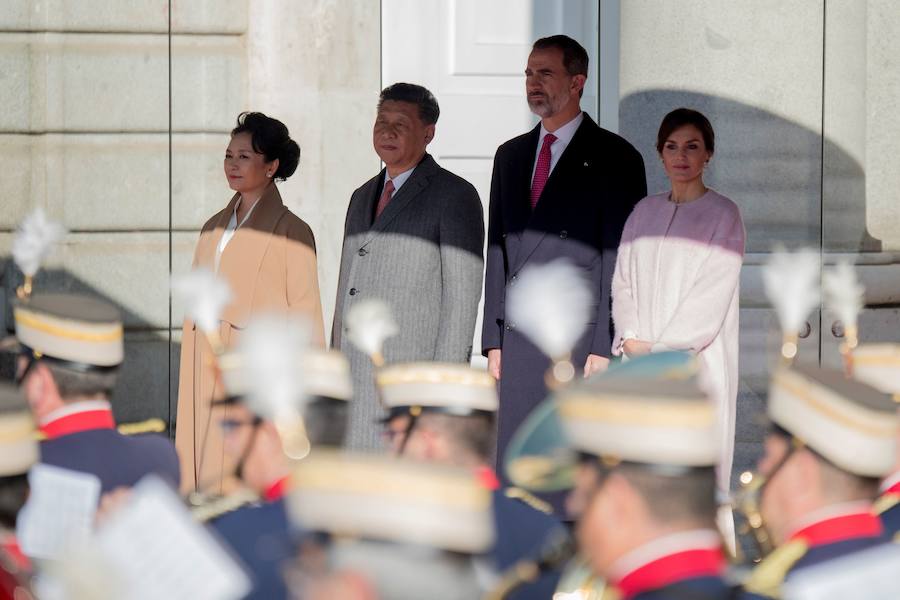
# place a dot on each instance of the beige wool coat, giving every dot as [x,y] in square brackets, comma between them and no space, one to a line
[270,264]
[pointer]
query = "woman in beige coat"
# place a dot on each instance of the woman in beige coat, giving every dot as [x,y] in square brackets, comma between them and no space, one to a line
[268,257]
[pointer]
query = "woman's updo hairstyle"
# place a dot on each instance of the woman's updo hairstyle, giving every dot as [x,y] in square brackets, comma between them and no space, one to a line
[270,138]
[680,117]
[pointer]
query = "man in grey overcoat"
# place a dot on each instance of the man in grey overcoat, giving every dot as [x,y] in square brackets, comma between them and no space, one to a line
[414,238]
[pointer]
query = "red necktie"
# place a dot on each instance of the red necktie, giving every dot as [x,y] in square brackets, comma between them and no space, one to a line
[385,197]
[542,170]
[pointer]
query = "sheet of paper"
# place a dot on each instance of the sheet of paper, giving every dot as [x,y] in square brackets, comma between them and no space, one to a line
[59,512]
[161,552]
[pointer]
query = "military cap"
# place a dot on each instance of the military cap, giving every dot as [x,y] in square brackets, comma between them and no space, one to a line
[325,374]
[879,366]
[850,423]
[384,499]
[442,387]
[650,410]
[18,441]
[79,331]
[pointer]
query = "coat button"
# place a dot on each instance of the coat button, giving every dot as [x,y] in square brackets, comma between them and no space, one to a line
[362,252]
[353,291]
[508,327]
[563,234]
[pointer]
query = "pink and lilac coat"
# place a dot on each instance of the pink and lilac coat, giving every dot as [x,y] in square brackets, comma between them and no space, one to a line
[676,285]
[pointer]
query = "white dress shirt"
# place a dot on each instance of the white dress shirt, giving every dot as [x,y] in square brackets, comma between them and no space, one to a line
[563,135]
[229,231]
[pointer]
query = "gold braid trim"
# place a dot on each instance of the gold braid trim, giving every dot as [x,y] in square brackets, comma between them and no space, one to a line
[767,577]
[885,503]
[148,426]
[529,499]
[224,505]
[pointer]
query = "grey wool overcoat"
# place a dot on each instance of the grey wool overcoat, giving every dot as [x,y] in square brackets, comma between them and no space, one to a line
[423,256]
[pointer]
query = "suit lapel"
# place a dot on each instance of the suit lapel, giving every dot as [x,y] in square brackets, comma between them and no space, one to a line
[519,212]
[417,182]
[244,254]
[541,221]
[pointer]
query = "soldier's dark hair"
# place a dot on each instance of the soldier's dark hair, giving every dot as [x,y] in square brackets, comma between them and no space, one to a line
[687,496]
[13,493]
[429,111]
[681,117]
[472,433]
[73,384]
[270,137]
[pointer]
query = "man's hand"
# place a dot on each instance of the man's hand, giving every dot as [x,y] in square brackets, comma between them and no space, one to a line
[494,362]
[595,364]
[633,348]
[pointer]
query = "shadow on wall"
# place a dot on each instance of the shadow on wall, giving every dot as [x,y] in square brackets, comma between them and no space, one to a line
[771,167]
[143,388]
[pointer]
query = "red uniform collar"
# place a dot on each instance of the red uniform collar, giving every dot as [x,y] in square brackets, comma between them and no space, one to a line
[276,491]
[848,526]
[687,564]
[487,478]
[77,417]
[10,545]
[668,560]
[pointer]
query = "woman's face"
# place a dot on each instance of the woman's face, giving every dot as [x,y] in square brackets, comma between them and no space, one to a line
[246,169]
[684,155]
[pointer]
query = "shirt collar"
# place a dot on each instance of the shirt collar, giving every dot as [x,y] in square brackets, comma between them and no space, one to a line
[400,179]
[667,560]
[565,133]
[233,224]
[77,417]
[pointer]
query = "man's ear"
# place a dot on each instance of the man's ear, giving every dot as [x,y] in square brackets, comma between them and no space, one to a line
[429,133]
[578,82]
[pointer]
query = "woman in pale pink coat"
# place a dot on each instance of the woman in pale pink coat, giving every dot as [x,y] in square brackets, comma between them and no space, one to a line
[678,270]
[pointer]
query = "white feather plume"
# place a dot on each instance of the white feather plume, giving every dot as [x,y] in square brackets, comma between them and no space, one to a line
[369,323]
[843,293]
[791,280]
[272,348]
[550,304]
[205,296]
[34,240]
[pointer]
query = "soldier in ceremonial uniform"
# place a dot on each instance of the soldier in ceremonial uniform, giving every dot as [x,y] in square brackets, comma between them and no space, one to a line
[641,445]
[71,347]
[879,366]
[832,440]
[255,524]
[444,413]
[400,530]
[18,451]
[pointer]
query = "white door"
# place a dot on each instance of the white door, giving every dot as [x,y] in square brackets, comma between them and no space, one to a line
[471,54]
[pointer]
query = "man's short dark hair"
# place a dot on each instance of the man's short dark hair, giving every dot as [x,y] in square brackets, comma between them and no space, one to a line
[575,57]
[74,384]
[414,94]
[472,433]
[689,496]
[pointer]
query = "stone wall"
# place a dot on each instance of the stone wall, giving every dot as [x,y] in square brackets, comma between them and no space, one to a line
[116,116]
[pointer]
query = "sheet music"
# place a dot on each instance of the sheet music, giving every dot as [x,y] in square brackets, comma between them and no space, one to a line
[869,574]
[59,512]
[161,552]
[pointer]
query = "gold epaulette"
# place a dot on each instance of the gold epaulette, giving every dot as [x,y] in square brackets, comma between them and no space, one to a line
[767,577]
[148,426]
[529,499]
[224,505]
[885,503]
